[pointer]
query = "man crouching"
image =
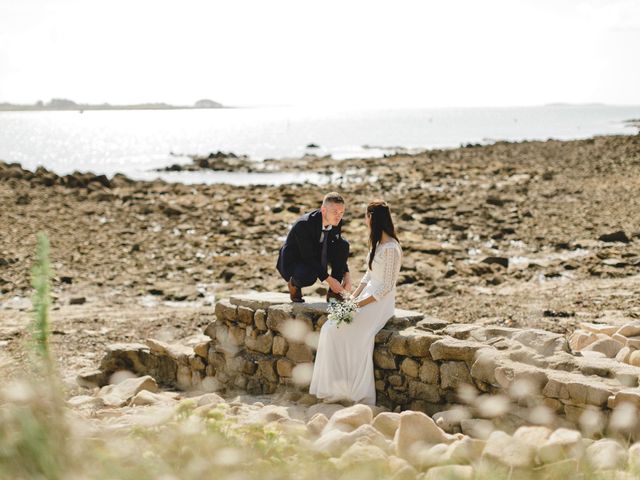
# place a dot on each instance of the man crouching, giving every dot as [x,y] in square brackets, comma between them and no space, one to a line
[314,243]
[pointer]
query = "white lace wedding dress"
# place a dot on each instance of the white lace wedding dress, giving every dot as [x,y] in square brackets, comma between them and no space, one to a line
[343,368]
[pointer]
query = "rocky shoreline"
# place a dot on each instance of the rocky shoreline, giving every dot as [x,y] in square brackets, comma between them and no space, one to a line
[529,234]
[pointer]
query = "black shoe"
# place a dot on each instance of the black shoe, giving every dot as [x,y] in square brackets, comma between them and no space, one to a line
[295,293]
[336,296]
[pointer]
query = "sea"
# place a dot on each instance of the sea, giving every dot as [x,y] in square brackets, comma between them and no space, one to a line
[137,142]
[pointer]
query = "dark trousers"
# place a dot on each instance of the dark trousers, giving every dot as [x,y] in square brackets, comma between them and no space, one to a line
[305,274]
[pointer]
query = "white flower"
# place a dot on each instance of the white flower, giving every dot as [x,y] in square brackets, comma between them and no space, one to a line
[342,312]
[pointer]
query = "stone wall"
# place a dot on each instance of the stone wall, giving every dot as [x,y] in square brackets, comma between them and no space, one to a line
[261,343]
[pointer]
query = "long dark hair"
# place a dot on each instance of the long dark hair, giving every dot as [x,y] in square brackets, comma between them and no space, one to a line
[380,216]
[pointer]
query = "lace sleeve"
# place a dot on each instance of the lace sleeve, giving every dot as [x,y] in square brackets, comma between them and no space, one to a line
[391,261]
[366,278]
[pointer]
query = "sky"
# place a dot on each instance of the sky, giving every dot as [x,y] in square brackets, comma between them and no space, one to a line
[402,53]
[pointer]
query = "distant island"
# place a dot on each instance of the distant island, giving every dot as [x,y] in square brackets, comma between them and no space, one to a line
[65,104]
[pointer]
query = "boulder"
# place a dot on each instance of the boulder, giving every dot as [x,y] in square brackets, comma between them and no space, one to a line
[334,442]
[532,436]
[415,430]
[629,329]
[384,360]
[258,343]
[245,315]
[454,374]
[259,300]
[561,444]
[607,454]
[179,353]
[118,395]
[449,420]
[410,367]
[124,356]
[284,367]
[209,399]
[145,397]
[450,472]
[280,345]
[449,348]
[412,342]
[484,367]
[465,450]
[350,418]
[608,346]
[300,353]
[316,425]
[617,236]
[429,372]
[599,328]
[357,454]
[424,391]
[581,339]
[508,451]
[543,342]
[267,414]
[624,356]
[479,428]
[225,311]
[387,423]
[578,388]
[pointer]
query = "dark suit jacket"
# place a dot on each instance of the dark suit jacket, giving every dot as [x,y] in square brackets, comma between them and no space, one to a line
[303,245]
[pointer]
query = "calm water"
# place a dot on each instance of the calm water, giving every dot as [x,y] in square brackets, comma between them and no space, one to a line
[135,142]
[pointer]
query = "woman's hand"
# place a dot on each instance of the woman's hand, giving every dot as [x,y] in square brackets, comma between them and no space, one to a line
[358,291]
[366,301]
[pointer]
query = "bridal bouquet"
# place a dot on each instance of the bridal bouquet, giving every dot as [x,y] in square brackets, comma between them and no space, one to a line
[342,312]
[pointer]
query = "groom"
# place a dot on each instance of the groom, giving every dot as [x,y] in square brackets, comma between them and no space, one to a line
[314,243]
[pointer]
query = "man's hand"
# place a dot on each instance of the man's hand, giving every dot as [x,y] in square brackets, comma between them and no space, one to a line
[346,282]
[334,285]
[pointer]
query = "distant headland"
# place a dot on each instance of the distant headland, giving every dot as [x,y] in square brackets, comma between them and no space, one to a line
[65,104]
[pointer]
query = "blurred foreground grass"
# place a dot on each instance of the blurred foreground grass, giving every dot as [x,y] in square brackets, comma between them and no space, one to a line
[41,437]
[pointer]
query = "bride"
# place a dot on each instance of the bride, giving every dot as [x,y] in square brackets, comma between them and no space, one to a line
[343,368]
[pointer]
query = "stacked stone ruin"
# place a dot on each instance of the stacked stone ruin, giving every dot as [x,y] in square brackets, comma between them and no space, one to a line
[262,344]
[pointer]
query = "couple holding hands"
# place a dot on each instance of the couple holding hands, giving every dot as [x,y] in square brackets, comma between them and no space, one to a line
[343,368]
